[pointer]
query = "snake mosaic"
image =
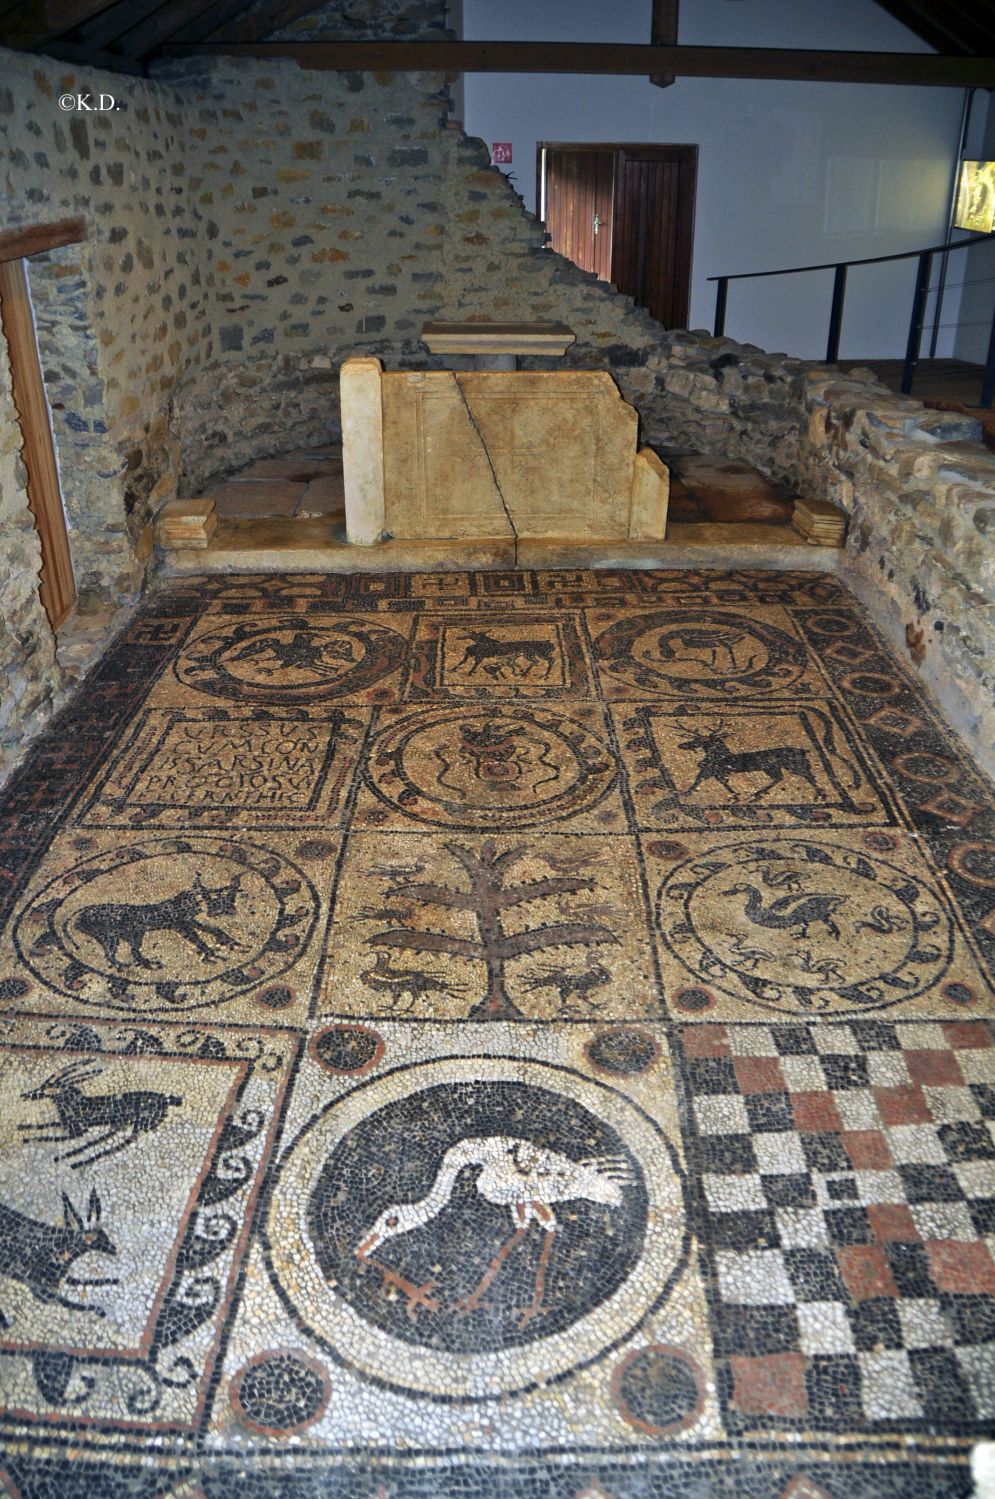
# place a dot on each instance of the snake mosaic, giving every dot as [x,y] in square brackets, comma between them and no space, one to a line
[497,1034]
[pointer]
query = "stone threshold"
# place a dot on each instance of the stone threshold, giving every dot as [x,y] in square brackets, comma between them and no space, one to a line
[289,545]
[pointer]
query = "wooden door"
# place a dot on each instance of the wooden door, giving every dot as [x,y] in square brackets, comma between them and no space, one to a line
[57,586]
[644,194]
[579,205]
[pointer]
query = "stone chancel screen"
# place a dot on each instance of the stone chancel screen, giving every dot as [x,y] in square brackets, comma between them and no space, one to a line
[482,455]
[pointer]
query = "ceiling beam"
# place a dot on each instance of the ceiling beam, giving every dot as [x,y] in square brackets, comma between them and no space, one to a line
[32,239]
[40,21]
[149,32]
[262,20]
[117,19]
[663,33]
[212,18]
[94,57]
[620,58]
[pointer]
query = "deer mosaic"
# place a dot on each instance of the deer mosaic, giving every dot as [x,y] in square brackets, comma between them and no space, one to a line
[40,1255]
[111,1120]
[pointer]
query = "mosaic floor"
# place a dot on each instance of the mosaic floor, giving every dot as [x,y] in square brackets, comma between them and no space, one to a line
[504,1034]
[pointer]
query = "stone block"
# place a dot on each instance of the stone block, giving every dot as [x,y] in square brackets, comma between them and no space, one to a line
[363,450]
[650,497]
[187,523]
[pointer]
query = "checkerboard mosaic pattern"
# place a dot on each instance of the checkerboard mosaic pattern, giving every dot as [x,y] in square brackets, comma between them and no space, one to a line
[847,1209]
[497,1036]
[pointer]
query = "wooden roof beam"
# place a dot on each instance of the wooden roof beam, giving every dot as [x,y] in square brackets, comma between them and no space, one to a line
[146,34]
[33,24]
[213,17]
[262,20]
[113,23]
[607,58]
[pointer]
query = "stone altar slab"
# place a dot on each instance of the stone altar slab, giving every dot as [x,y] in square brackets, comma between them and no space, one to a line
[497,338]
[493,456]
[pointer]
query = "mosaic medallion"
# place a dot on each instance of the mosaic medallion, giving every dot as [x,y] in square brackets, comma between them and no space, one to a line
[481,770]
[797,925]
[659,1389]
[467,1208]
[622,1051]
[708,653]
[296,658]
[279,1393]
[168,923]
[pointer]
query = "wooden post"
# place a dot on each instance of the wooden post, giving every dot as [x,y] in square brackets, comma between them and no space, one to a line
[57,586]
[663,33]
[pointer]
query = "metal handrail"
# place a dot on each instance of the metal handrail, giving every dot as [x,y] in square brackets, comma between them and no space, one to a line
[830,265]
[920,296]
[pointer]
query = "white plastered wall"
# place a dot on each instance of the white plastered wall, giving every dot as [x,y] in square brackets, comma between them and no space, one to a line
[788,173]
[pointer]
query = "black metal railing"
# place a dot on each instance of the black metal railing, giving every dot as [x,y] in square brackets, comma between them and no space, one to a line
[920,297]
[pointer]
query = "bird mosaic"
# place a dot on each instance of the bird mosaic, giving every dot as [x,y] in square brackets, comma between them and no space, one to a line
[519,1175]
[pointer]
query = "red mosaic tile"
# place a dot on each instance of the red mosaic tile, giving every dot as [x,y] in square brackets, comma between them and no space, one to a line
[933,1069]
[892,1223]
[759,1075]
[867,1149]
[771,1386]
[957,1266]
[902,1105]
[816,1112]
[706,1040]
[967,1033]
[866,1271]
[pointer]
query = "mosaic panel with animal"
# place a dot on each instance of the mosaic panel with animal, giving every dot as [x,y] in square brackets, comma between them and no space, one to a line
[286,660]
[152,925]
[494,657]
[797,766]
[716,655]
[99,1320]
[801,924]
[504,1225]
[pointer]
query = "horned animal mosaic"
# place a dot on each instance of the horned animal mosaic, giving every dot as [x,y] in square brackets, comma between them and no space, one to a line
[497,1034]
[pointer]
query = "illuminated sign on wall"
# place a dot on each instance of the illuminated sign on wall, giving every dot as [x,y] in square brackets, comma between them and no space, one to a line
[976,197]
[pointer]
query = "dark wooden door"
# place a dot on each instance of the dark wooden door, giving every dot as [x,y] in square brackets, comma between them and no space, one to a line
[647,253]
[579,206]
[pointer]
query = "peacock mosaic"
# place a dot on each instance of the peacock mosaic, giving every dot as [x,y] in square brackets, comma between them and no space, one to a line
[497,1034]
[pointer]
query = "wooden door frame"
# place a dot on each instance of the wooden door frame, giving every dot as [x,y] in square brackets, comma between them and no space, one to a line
[687,160]
[56,582]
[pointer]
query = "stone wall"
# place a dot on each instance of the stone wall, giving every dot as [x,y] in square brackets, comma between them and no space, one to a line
[120,319]
[344,214]
[253,225]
